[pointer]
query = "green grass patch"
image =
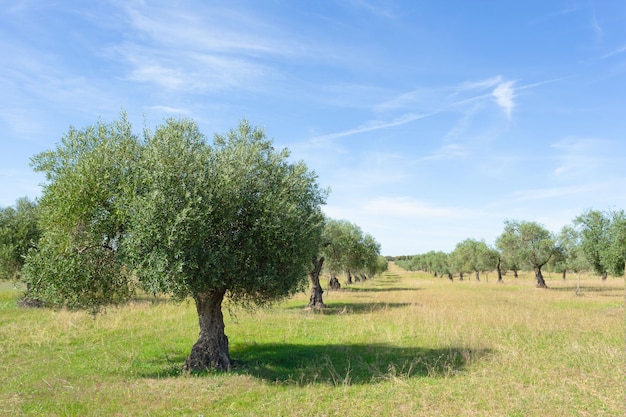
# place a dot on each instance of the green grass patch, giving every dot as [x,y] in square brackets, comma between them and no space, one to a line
[400,344]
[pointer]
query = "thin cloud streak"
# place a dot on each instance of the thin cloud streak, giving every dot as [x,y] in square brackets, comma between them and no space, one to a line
[617,51]
[503,93]
[374,125]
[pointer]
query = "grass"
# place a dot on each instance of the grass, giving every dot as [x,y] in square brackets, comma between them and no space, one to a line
[401,344]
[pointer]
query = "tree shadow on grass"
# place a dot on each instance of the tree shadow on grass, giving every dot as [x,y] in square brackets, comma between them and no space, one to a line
[349,364]
[376,289]
[611,291]
[334,308]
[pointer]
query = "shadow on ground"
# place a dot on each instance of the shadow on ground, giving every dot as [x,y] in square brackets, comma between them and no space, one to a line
[376,289]
[348,364]
[334,308]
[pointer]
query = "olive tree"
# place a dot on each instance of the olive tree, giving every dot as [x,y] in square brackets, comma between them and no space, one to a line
[343,247]
[19,232]
[570,256]
[593,226]
[610,245]
[177,216]
[474,255]
[531,243]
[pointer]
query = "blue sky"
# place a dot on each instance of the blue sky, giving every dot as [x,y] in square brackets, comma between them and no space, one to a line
[431,122]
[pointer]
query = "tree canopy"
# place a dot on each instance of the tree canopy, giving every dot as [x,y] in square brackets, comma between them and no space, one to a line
[171,214]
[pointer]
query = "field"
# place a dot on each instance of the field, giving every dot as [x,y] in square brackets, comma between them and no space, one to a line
[403,344]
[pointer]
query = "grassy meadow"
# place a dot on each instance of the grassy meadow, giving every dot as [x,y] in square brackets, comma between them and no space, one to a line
[403,344]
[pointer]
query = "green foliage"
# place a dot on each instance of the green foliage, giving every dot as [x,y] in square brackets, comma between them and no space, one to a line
[615,255]
[19,232]
[528,242]
[347,249]
[83,216]
[569,256]
[472,255]
[237,216]
[173,215]
[603,240]
[593,226]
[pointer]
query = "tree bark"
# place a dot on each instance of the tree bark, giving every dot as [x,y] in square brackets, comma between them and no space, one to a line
[499,269]
[564,274]
[541,283]
[211,350]
[604,275]
[460,276]
[316,300]
[477,276]
[515,273]
[450,276]
[349,277]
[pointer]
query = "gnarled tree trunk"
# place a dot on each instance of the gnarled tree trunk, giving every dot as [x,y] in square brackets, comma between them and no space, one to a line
[477,274]
[316,300]
[499,269]
[211,349]
[539,276]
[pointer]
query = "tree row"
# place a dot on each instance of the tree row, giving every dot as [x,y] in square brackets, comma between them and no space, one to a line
[594,242]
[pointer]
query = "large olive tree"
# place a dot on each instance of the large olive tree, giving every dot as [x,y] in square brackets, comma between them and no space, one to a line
[178,216]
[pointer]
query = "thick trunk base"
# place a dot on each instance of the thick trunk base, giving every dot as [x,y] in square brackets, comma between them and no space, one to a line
[210,352]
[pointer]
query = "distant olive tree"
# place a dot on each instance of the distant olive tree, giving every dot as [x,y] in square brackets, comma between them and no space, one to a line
[593,226]
[343,248]
[529,242]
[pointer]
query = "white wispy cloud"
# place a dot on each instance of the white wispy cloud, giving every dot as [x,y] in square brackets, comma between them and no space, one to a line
[210,49]
[426,102]
[505,95]
[595,25]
